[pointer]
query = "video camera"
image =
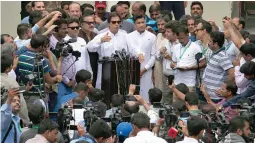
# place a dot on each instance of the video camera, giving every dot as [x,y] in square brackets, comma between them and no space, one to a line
[246,111]
[64,49]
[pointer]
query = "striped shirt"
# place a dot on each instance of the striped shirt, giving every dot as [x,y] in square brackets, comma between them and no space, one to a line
[26,66]
[216,72]
[231,50]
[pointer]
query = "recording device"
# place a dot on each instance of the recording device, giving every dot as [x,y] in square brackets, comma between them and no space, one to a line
[119,54]
[130,98]
[64,49]
[168,113]
[22,89]
[137,90]
[170,79]
[198,56]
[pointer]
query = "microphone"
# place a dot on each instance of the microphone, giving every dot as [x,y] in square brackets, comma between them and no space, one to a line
[124,54]
[71,40]
[119,54]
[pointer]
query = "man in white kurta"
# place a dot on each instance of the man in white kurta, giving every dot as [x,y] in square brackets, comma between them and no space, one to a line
[107,43]
[145,41]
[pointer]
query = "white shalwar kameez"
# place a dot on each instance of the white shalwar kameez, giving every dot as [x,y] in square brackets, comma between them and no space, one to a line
[106,49]
[146,43]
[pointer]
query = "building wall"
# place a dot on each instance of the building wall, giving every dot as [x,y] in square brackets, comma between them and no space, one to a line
[10,12]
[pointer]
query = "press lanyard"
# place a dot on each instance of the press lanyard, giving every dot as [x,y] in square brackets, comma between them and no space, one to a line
[204,51]
[35,127]
[186,47]
[221,49]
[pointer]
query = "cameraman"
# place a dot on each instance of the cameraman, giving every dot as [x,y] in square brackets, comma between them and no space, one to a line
[99,132]
[26,67]
[85,77]
[117,100]
[228,90]
[248,69]
[196,127]
[36,115]
[239,130]
[80,90]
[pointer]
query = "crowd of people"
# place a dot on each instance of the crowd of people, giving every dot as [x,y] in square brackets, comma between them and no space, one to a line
[189,64]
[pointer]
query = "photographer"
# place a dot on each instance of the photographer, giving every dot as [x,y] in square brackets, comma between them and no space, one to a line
[228,90]
[7,83]
[249,72]
[28,66]
[85,77]
[36,115]
[10,121]
[196,127]
[47,132]
[96,94]
[99,132]
[117,100]
[80,90]
[239,130]
[141,130]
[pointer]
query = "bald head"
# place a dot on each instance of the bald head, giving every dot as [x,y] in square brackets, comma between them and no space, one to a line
[138,8]
[75,10]
[121,11]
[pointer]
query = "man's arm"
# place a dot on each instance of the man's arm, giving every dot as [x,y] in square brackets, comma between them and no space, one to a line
[231,74]
[250,91]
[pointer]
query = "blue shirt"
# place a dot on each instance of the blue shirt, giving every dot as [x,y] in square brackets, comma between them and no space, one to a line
[149,22]
[250,91]
[25,20]
[64,99]
[87,138]
[192,38]
[6,119]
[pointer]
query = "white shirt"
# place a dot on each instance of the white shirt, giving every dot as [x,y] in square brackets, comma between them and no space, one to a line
[12,74]
[145,137]
[185,58]
[84,61]
[231,50]
[106,49]
[167,70]
[188,140]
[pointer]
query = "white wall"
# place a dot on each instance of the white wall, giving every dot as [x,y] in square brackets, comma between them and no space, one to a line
[10,16]
[10,12]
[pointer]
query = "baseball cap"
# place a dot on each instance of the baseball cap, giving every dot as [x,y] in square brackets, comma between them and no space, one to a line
[100,4]
[124,129]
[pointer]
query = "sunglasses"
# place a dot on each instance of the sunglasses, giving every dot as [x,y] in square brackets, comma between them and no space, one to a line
[114,22]
[77,28]
[89,23]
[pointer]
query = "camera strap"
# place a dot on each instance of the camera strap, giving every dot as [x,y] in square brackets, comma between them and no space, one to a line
[8,131]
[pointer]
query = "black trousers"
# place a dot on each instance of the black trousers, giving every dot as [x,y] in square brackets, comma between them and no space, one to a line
[176,6]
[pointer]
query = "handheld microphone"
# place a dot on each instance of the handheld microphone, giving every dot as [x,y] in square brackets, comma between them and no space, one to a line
[119,54]
[124,53]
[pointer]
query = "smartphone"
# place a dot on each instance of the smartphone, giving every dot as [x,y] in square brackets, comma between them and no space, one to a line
[170,79]
[184,114]
[22,89]
[137,90]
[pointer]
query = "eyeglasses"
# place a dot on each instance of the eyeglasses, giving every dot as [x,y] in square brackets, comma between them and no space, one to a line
[114,22]
[89,23]
[198,30]
[77,28]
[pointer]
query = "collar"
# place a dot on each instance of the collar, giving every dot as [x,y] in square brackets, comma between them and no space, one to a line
[221,49]
[190,140]
[4,74]
[42,138]
[141,33]
[145,133]
[16,117]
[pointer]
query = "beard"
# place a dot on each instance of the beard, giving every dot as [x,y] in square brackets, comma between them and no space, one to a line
[247,139]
